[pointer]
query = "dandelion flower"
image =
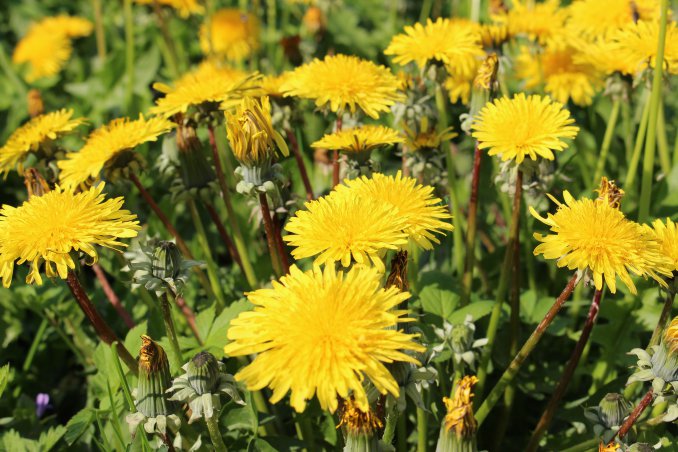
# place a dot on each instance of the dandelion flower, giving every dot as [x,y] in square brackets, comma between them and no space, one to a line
[542,22]
[106,145]
[356,421]
[460,82]
[562,76]
[185,7]
[603,54]
[205,88]
[592,19]
[610,447]
[271,85]
[342,227]
[359,139]
[321,333]
[32,135]
[231,33]
[494,34]
[637,46]
[345,82]
[667,237]
[459,417]
[523,126]
[596,236]
[46,229]
[423,213]
[445,41]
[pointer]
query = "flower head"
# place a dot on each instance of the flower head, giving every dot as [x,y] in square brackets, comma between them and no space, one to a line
[32,135]
[637,45]
[459,417]
[359,139]
[541,21]
[345,83]
[594,235]
[610,447]
[106,148]
[184,7]
[357,421]
[592,19]
[344,226]
[423,213]
[321,333]
[46,229]
[230,33]
[524,126]
[444,41]
[667,237]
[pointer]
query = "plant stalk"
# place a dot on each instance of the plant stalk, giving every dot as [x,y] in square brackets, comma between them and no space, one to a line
[607,140]
[335,156]
[112,297]
[172,60]
[129,56]
[171,331]
[223,233]
[635,414]
[638,145]
[215,435]
[270,234]
[99,29]
[294,144]
[189,315]
[471,228]
[422,430]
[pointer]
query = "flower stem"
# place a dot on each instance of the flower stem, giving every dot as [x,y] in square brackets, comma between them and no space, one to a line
[635,414]
[422,428]
[112,297]
[294,144]
[270,234]
[172,60]
[512,245]
[655,105]
[189,315]
[37,340]
[607,140]
[129,55]
[233,220]
[215,435]
[232,250]
[102,329]
[335,156]
[662,141]
[390,427]
[513,368]
[663,317]
[171,331]
[99,29]
[566,377]
[471,228]
[638,145]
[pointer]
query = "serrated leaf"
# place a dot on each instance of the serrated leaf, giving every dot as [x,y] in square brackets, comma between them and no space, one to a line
[217,337]
[437,301]
[49,438]
[78,425]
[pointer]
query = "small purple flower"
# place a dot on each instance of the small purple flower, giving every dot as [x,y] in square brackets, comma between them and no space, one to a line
[41,404]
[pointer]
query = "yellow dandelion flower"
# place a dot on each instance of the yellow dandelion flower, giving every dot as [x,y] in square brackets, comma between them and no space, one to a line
[425,136]
[671,336]
[206,87]
[446,41]
[459,417]
[357,421]
[342,227]
[460,83]
[593,235]
[603,54]
[667,237]
[345,82]
[610,447]
[359,139]
[321,333]
[231,33]
[46,229]
[563,76]
[494,34]
[271,85]
[423,213]
[106,144]
[524,126]
[542,22]
[69,26]
[32,135]
[637,46]
[591,19]
[185,8]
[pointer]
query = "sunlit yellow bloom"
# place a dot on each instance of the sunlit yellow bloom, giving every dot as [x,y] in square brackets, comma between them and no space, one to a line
[595,235]
[208,86]
[602,18]
[542,22]
[425,135]
[232,34]
[637,45]
[494,34]
[562,76]
[459,83]
[345,82]
[459,415]
[271,85]
[321,333]
[251,133]
[667,236]
[610,447]
[343,227]
[184,7]
[359,139]
[671,336]
[105,144]
[47,46]
[29,137]
[524,126]
[46,229]
[445,41]
[424,214]
[603,54]
[357,421]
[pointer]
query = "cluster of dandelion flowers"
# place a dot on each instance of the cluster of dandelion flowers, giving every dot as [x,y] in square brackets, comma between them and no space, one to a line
[592,19]
[47,229]
[524,126]
[424,214]
[31,136]
[445,41]
[345,83]
[666,234]
[106,148]
[185,8]
[336,329]
[345,228]
[360,139]
[638,52]
[206,87]
[47,46]
[593,235]
[231,33]
[542,22]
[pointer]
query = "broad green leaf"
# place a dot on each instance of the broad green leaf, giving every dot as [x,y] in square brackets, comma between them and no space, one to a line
[49,438]
[440,302]
[477,310]
[78,425]
[4,378]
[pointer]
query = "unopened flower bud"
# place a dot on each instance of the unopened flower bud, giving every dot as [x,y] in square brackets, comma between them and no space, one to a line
[195,170]
[203,373]
[154,379]
[166,262]
[613,408]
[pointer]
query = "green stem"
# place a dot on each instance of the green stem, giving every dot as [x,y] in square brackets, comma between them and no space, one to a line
[589,445]
[305,430]
[11,74]
[215,435]
[390,427]
[638,145]
[513,240]
[662,141]
[35,344]
[401,434]
[271,22]
[650,139]
[471,228]
[607,140]
[172,60]
[99,29]
[129,56]
[425,13]
[675,149]
[170,330]
[270,235]
[422,430]
[663,318]
[474,14]
[527,348]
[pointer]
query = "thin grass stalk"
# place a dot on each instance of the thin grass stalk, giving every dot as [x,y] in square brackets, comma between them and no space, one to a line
[638,146]
[294,144]
[527,348]
[514,238]
[607,140]
[233,220]
[663,317]
[270,234]
[189,315]
[112,297]
[171,331]
[401,434]
[37,340]
[566,377]
[99,29]
[425,13]
[471,228]
[335,156]
[663,141]
[102,329]
[280,245]
[223,233]
[651,138]
[129,56]
[172,60]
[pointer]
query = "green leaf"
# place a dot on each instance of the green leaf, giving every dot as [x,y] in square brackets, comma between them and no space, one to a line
[477,310]
[260,445]
[78,425]
[437,301]
[204,321]
[49,438]
[133,338]
[4,378]
[217,337]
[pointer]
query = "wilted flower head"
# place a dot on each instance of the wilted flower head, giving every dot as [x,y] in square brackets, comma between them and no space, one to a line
[231,34]
[361,426]
[459,419]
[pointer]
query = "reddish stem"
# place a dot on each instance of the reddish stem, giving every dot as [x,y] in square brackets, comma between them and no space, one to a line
[270,233]
[635,414]
[232,250]
[467,279]
[112,297]
[300,163]
[188,314]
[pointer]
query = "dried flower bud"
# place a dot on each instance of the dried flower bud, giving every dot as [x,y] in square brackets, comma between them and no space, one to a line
[610,193]
[486,77]
[458,430]
[203,373]
[360,427]
[154,380]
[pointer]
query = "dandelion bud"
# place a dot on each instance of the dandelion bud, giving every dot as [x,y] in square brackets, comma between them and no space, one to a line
[158,266]
[35,104]
[612,409]
[359,427]
[665,359]
[203,373]
[486,77]
[154,380]
[461,338]
[166,262]
[195,170]
[398,275]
